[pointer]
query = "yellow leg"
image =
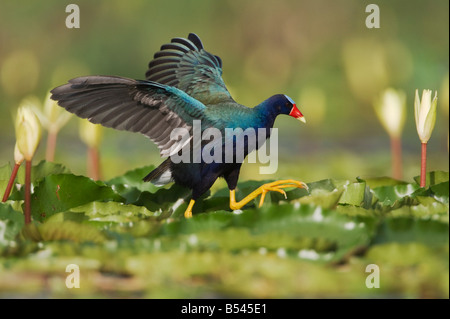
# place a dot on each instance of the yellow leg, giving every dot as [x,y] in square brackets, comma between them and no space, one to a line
[188,212]
[276,186]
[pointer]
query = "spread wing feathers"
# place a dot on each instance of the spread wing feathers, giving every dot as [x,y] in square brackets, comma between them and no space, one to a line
[150,108]
[184,64]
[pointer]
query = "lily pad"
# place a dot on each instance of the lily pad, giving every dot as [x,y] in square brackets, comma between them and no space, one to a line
[403,229]
[315,222]
[41,170]
[433,178]
[67,230]
[311,226]
[131,184]
[441,192]
[322,198]
[163,199]
[5,172]
[11,222]
[374,182]
[394,195]
[112,211]
[353,194]
[59,193]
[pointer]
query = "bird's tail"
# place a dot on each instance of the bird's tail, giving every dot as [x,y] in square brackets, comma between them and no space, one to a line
[161,175]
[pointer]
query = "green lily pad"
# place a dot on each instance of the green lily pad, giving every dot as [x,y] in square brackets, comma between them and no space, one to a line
[131,184]
[11,222]
[38,172]
[322,198]
[5,172]
[59,193]
[353,194]
[112,211]
[394,195]
[201,222]
[323,233]
[374,182]
[325,184]
[403,254]
[163,199]
[317,223]
[3,185]
[404,229]
[441,192]
[433,178]
[67,230]
[41,170]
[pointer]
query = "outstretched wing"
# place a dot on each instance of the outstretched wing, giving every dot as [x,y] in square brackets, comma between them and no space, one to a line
[150,108]
[184,64]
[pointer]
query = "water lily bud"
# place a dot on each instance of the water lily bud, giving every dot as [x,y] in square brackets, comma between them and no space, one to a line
[91,134]
[52,117]
[391,111]
[28,130]
[18,156]
[425,114]
[56,115]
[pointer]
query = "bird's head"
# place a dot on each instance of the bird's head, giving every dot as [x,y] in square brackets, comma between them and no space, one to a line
[293,109]
[283,104]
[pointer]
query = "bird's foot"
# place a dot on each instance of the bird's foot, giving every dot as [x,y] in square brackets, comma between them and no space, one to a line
[188,211]
[276,186]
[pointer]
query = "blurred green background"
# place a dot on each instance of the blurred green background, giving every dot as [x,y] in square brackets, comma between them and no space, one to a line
[320,53]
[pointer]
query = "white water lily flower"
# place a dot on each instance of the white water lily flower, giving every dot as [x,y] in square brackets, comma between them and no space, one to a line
[52,117]
[91,134]
[425,114]
[391,111]
[28,130]
[18,156]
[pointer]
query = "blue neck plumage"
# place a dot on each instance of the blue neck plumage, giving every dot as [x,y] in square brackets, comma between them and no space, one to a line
[268,110]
